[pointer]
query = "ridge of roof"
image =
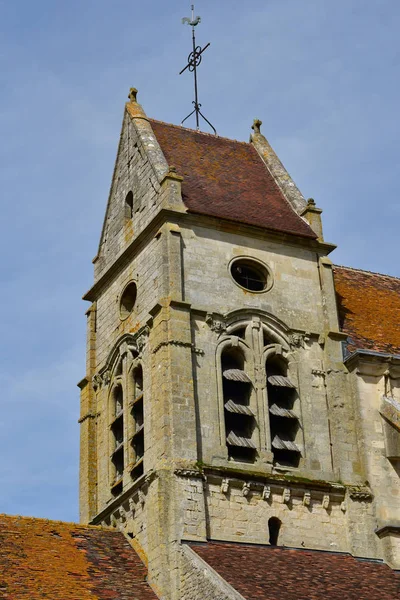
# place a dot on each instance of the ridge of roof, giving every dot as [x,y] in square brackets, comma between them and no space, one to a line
[288,548]
[366,271]
[54,521]
[205,133]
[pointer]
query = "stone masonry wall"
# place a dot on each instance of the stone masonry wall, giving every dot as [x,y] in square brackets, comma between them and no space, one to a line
[199,581]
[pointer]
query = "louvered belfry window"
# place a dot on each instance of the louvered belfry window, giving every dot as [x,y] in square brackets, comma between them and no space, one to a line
[284,422]
[260,408]
[239,417]
[137,415]
[117,429]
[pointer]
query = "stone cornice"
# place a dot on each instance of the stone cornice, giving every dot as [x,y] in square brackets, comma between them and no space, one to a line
[142,483]
[388,528]
[191,219]
[373,363]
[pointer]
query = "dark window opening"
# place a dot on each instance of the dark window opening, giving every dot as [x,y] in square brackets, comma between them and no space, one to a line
[129,205]
[137,413]
[239,454]
[240,332]
[239,419]
[137,471]
[118,400]
[284,422]
[250,275]
[117,430]
[274,525]
[128,300]
[118,462]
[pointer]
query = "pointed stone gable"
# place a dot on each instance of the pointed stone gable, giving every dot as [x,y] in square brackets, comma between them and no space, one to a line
[136,175]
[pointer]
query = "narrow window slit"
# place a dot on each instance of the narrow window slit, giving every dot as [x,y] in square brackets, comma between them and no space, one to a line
[274,526]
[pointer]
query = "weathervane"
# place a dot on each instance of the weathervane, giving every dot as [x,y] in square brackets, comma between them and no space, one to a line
[194,60]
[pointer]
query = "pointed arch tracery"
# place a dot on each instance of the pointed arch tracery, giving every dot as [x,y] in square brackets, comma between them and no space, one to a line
[125,400]
[259,403]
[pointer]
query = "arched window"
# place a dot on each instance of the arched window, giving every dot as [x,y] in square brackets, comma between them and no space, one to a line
[137,415]
[239,418]
[274,526]
[284,422]
[129,205]
[117,430]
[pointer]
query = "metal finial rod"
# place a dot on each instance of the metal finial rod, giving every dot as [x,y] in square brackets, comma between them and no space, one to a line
[194,60]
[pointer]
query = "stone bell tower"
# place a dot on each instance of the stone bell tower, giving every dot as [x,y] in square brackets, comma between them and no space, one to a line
[215,403]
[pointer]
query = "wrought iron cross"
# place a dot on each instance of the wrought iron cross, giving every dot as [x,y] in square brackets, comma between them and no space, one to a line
[194,60]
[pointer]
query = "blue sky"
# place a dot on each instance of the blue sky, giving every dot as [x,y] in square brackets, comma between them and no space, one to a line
[324,78]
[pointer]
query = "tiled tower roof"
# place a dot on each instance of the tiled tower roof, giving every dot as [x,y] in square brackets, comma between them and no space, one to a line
[65,561]
[369,309]
[227,179]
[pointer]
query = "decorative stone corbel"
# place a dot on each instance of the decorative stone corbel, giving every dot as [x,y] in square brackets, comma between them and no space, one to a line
[122,513]
[360,493]
[286,496]
[296,340]
[142,338]
[225,486]
[326,501]
[96,381]
[142,498]
[216,322]
[266,493]
[132,507]
[307,498]
[246,489]
[114,520]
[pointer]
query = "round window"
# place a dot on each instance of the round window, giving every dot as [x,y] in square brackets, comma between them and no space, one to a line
[251,275]
[128,299]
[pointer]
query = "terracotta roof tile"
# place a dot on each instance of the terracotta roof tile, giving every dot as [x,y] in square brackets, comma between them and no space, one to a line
[227,179]
[65,561]
[268,573]
[369,309]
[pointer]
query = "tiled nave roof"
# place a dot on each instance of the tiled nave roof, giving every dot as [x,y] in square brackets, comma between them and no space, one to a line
[65,561]
[227,179]
[369,309]
[271,573]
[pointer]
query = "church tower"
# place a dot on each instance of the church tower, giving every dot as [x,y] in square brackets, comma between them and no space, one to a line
[216,404]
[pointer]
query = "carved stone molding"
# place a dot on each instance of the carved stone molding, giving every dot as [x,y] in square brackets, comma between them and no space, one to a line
[298,340]
[101,379]
[189,473]
[225,486]
[96,381]
[216,322]
[266,493]
[326,500]
[360,493]
[178,343]
[246,489]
